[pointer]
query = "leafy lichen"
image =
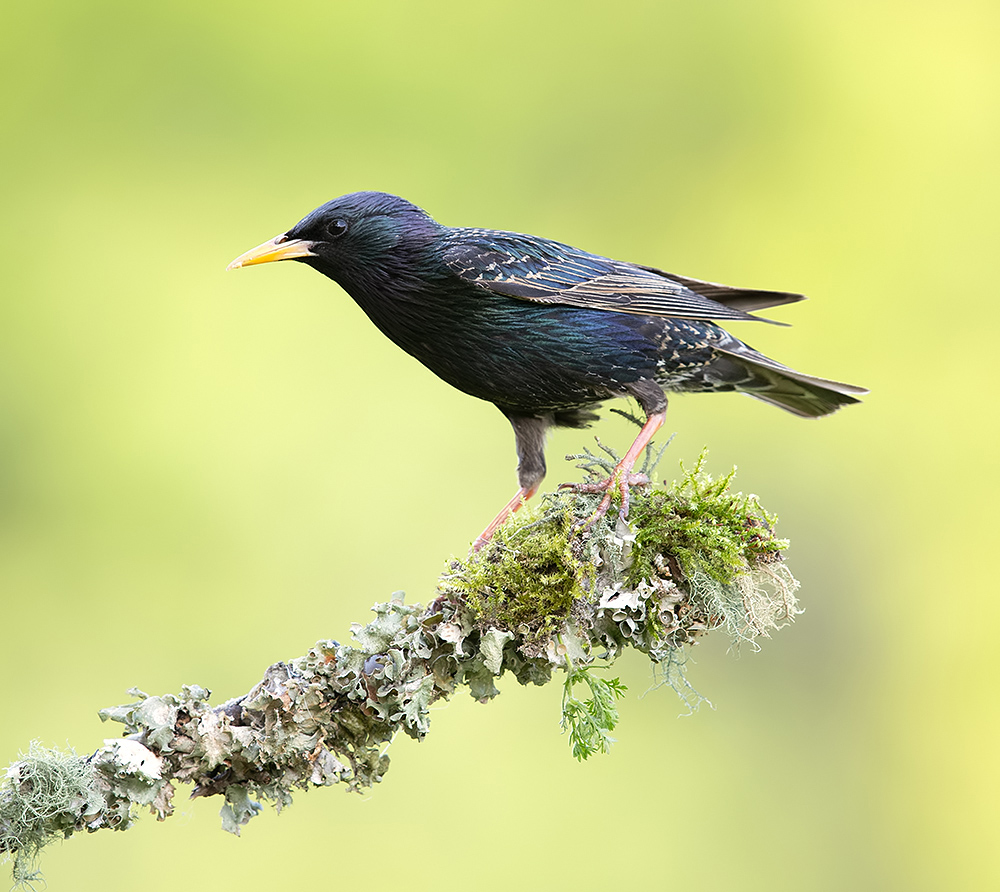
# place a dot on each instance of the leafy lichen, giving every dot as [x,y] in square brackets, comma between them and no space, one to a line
[49,794]
[547,594]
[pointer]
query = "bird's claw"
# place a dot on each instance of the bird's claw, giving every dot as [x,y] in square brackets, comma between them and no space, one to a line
[607,484]
[620,481]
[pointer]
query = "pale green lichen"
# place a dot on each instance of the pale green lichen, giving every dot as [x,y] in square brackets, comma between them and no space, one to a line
[544,595]
[40,800]
[50,794]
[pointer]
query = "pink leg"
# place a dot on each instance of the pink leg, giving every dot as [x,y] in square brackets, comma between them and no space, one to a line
[522,496]
[621,477]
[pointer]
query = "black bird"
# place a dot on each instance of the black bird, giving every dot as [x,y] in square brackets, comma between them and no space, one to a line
[540,329]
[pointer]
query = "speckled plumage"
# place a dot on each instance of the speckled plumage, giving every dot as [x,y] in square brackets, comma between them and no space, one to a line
[541,329]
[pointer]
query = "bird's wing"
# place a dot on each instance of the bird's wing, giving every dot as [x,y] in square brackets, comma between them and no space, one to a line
[740,298]
[543,271]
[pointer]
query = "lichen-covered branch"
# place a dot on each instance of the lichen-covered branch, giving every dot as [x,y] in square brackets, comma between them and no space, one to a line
[544,595]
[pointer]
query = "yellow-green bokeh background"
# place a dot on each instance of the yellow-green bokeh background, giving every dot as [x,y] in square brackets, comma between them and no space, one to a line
[203,472]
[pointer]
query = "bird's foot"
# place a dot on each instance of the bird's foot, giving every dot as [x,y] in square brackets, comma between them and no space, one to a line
[622,477]
[620,481]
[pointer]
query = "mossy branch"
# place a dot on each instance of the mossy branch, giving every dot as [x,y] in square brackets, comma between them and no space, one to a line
[542,596]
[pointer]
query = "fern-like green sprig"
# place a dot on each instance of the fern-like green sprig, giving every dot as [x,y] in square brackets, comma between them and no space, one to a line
[590,722]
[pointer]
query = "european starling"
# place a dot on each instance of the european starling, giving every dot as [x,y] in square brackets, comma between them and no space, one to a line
[540,329]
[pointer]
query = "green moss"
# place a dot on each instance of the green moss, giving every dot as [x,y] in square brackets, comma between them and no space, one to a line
[706,528]
[527,578]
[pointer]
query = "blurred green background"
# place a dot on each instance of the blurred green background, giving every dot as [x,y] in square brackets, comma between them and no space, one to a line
[203,472]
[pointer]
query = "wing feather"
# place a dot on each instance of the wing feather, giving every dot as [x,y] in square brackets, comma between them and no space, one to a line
[548,272]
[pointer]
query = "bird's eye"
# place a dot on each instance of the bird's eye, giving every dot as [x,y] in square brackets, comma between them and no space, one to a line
[337,228]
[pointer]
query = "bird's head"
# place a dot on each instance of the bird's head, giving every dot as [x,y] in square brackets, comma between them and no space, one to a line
[353,235]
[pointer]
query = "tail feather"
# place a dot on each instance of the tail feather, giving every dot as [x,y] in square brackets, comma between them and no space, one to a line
[801,394]
[810,401]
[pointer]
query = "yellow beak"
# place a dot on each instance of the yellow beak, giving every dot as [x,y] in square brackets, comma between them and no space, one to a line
[278,248]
